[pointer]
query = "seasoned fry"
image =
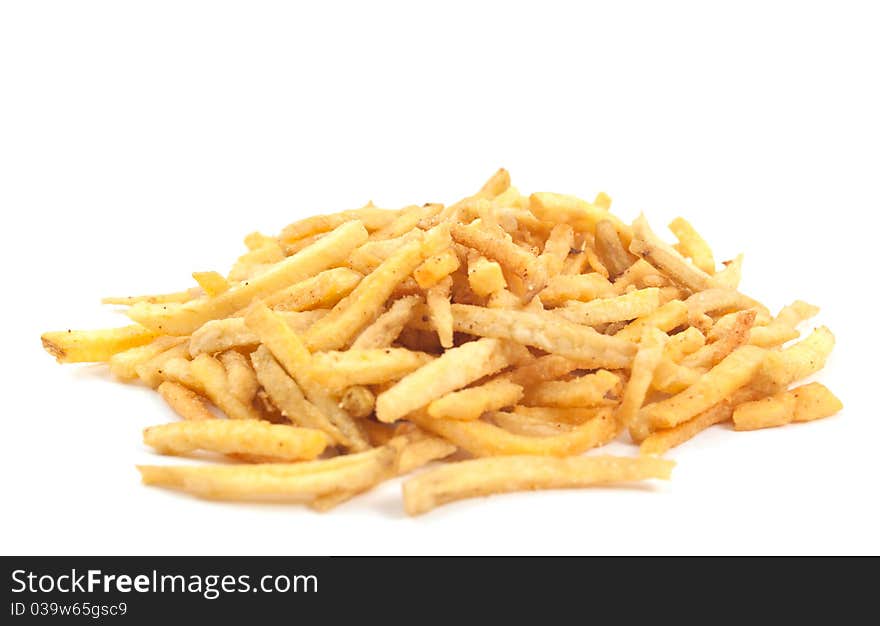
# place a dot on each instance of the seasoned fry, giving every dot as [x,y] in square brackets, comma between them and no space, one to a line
[232,332]
[546,331]
[83,346]
[240,376]
[358,401]
[318,292]
[152,372]
[734,371]
[666,318]
[186,403]
[211,283]
[582,215]
[495,244]
[635,304]
[124,364]
[584,391]
[610,250]
[556,249]
[662,440]
[436,268]
[484,276]
[643,368]
[184,319]
[484,439]
[440,306]
[710,354]
[470,403]
[455,369]
[275,441]
[482,477]
[583,287]
[802,404]
[338,370]
[213,379]
[692,245]
[528,426]
[386,328]
[665,258]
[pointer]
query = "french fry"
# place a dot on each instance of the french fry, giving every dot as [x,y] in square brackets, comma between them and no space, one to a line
[294,357]
[484,276]
[712,353]
[211,283]
[483,439]
[177,369]
[671,377]
[660,441]
[152,371]
[436,268]
[470,403]
[365,303]
[358,401]
[338,370]
[387,327]
[648,246]
[566,415]
[186,403]
[213,379]
[692,245]
[124,364]
[371,217]
[583,287]
[292,482]
[177,297]
[806,357]
[582,215]
[734,371]
[546,331]
[440,307]
[684,343]
[84,346]
[482,477]
[802,404]
[784,326]
[584,391]
[639,275]
[275,441]
[286,395]
[556,249]
[321,291]
[666,318]
[643,368]
[240,376]
[730,276]
[495,244]
[528,426]
[184,319]
[610,250]
[634,304]
[232,332]
[547,367]
[456,368]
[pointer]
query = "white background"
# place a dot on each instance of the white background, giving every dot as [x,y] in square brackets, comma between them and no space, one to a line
[141,141]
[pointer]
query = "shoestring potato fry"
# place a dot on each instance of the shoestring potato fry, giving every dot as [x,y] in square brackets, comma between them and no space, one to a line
[504,334]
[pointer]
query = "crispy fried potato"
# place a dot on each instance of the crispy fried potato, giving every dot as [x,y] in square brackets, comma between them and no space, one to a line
[482,477]
[221,335]
[358,401]
[583,391]
[583,287]
[213,379]
[183,319]
[692,245]
[387,327]
[634,304]
[186,403]
[651,248]
[275,441]
[660,441]
[456,368]
[802,404]
[240,376]
[610,250]
[643,368]
[484,276]
[436,268]
[440,307]
[582,215]
[212,283]
[124,364]
[338,370]
[321,291]
[470,403]
[84,346]
[666,318]
[546,331]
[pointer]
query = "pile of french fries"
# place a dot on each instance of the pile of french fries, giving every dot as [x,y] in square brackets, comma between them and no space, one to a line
[505,333]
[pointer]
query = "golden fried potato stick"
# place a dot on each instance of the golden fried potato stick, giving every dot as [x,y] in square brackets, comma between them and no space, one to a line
[736,336]
[495,244]
[232,332]
[651,248]
[454,369]
[632,305]
[470,403]
[152,371]
[365,303]
[83,346]
[583,391]
[177,297]
[289,399]
[338,370]
[294,357]
[124,364]
[186,403]
[213,379]
[583,287]
[178,370]
[291,482]
[567,415]
[483,439]
[324,290]
[274,441]
[371,217]
[660,441]
[183,319]
[666,318]
[733,372]
[482,477]
[610,250]
[440,307]
[557,248]
[528,426]
[643,368]
[211,283]
[783,327]
[684,343]
[383,332]
[358,401]
[436,268]
[484,276]
[240,376]
[546,331]
[802,404]
[547,367]
[582,215]
[692,245]
[806,357]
